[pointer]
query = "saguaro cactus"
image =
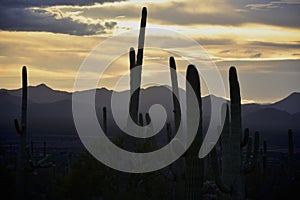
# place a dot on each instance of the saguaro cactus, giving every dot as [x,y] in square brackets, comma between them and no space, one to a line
[21,129]
[136,70]
[194,165]
[236,133]
[232,179]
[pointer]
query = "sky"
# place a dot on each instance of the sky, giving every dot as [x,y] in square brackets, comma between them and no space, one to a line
[53,38]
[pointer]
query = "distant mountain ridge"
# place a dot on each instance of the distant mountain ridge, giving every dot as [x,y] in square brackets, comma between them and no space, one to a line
[50,111]
[41,94]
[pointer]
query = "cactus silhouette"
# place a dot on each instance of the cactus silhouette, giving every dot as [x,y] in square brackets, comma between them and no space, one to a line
[175,91]
[291,145]
[290,163]
[136,70]
[104,115]
[22,130]
[232,178]
[194,166]
[265,157]
[43,162]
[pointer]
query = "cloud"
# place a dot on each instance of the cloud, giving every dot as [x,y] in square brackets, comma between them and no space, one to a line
[214,12]
[272,4]
[24,15]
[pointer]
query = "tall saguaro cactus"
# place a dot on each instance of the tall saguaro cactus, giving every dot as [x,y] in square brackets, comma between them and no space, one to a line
[236,133]
[194,165]
[232,178]
[21,129]
[136,70]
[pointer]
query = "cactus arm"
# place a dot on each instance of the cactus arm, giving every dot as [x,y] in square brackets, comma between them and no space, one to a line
[147,118]
[246,138]
[17,126]
[175,92]
[251,167]
[216,172]
[139,61]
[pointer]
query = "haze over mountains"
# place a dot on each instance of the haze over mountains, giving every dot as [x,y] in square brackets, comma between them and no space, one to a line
[50,112]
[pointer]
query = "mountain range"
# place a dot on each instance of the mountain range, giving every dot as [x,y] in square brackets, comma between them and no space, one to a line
[50,112]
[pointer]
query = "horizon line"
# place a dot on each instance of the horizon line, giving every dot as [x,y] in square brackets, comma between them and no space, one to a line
[244,101]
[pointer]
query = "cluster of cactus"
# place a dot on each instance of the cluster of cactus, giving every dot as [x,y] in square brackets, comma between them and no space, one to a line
[288,165]
[231,179]
[41,163]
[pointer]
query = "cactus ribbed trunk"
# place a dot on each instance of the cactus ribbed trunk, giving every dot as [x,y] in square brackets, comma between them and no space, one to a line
[104,113]
[226,147]
[236,133]
[20,170]
[136,70]
[194,165]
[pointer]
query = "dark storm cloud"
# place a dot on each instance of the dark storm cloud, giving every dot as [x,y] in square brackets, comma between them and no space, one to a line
[16,15]
[44,3]
[296,45]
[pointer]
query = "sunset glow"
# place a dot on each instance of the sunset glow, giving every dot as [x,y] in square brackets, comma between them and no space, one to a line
[261,39]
